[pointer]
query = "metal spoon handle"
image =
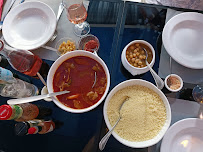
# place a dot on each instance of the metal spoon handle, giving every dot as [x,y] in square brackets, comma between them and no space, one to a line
[34,98]
[159,82]
[60,10]
[49,48]
[104,140]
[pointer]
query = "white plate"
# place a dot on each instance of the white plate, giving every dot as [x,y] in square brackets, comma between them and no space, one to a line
[182,38]
[29,25]
[184,136]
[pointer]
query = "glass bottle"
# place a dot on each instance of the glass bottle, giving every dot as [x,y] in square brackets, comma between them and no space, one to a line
[21,60]
[13,87]
[23,112]
[42,128]
[21,128]
[3,61]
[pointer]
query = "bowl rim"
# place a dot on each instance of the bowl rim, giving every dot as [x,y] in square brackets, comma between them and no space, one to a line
[149,85]
[143,42]
[63,58]
[177,76]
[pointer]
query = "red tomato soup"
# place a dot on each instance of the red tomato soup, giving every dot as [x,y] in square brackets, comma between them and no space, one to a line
[77,75]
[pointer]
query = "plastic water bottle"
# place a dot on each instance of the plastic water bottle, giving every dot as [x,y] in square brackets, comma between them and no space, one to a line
[15,88]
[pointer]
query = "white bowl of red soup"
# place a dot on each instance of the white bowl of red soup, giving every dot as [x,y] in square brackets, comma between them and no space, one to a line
[133,57]
[85,75]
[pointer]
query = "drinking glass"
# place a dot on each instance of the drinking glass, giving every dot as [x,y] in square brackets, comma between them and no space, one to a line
[197,93]
[77,14]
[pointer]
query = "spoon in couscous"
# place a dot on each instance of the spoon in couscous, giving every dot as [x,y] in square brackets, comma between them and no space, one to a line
[158,80]
[104,140]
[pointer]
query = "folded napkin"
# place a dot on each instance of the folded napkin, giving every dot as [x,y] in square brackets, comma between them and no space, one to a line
[1,6]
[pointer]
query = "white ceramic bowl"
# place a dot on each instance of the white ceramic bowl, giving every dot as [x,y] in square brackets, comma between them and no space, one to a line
[165,101]
[179,78]
[133,70]
[63,58]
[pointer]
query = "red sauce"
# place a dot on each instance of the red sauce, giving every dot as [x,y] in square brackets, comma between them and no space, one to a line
[91,45]
[77,75]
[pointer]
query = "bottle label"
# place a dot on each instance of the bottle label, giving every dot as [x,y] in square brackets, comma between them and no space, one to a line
[18,111]
[34,122]
[50,129]
[5,75]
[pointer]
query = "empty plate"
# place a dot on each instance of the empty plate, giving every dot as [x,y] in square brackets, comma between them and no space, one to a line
[184,136]
[29,25]
[182,38]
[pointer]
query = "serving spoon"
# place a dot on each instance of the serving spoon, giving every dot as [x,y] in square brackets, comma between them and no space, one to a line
[35,98]
[104,140]
[159,82]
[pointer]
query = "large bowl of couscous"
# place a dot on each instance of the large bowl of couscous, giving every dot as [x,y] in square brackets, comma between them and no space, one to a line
[145,116]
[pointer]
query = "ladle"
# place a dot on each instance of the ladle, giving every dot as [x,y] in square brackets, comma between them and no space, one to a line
[104,140]
[159,82]
[35,98]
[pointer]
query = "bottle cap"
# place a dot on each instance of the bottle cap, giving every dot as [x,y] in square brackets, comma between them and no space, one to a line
[5,112]
[33,130]
[21,128]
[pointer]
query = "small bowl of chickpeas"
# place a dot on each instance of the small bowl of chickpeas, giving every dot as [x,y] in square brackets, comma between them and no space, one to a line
[134,57]
[65,45]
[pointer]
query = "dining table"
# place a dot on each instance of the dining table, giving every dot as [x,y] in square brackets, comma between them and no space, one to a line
[115,23]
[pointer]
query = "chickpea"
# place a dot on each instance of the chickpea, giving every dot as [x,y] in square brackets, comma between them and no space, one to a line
[137,45]
[137,60]
[132,47]
[139,66]
[142,66]
[142,52]
[134,55]
[135,64]
[131,56]
[133,59]
[127,52]
[140,57]
[137,53]
[144,56]
[140,63]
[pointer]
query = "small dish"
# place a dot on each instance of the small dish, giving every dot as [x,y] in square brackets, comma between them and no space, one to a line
[45,91]
[65,45]
[177,83]
[93,43]
[132,69]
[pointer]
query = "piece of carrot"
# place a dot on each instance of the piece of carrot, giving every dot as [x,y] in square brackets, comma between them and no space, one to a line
[73,96]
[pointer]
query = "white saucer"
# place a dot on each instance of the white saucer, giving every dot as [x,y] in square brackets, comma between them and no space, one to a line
[184,136]
[29,25]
